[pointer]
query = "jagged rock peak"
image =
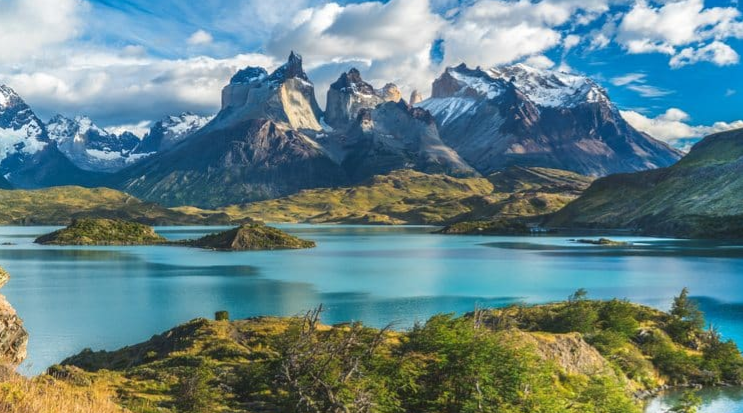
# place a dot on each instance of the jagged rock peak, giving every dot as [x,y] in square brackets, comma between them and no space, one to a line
[415,97]
[350,95]
[290,70]
[352,82]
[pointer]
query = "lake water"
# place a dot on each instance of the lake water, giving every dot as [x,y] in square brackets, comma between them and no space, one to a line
[107,297]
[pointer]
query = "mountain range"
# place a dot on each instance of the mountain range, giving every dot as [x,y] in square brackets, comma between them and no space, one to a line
[271,138]
[519,115]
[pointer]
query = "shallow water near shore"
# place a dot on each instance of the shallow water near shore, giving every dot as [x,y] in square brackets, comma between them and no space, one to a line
[107,297]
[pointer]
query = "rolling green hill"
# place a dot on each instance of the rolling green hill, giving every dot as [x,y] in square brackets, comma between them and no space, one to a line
[60,205]
[699,197]
[409,197]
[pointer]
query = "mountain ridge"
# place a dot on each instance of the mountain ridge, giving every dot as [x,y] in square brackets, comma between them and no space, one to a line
[521,116]
[700,196]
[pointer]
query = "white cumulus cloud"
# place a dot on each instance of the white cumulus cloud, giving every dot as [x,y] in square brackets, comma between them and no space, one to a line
[27,27]
[716,52]
[677,27]
[674,125]
[200,37]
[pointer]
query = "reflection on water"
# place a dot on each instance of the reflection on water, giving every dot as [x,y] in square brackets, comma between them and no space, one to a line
[716,400]
[108,297]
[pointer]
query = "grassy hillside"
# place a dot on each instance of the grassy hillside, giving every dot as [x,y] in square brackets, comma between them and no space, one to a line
[409,197]
[44,394]
[701,196]
[574,356]
[60,205]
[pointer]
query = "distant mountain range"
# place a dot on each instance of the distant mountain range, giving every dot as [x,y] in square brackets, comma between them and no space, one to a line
[701,196]
[271,139]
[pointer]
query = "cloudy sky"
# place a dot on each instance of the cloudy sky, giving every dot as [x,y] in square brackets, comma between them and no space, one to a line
[673,67]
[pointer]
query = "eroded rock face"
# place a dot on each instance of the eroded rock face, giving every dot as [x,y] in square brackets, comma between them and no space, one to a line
[397,136]
[285,96]
[415,98]
[569,351]
[13,337]
[350,94]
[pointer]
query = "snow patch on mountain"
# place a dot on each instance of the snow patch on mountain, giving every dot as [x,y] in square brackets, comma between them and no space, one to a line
[551,88]
[90,147]
[545,88]
[170,131]
[24,140]
[21,132]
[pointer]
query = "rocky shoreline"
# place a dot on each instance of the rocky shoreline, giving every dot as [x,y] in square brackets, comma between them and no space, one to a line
[13,336]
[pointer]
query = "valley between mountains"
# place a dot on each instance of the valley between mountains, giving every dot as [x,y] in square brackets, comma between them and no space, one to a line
[538,148]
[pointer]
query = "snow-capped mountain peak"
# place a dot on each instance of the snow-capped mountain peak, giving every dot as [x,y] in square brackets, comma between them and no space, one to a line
[171,130]
[89,146]
[545,88]
[21,132]
[551,88]
[8,97]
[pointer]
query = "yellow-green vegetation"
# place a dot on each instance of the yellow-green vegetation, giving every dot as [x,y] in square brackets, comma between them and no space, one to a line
[501,226]
[575,356]
[699,197]
[89,231]
[647,346]
[409,197]
[60,205]
[254,236]
[44,394]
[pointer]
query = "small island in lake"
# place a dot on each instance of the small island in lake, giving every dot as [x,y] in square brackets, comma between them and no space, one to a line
[606,242]
[251,237]
[496,227]
[97,231]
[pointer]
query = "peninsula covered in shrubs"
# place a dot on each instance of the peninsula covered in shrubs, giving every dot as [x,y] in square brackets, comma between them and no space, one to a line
[579,355]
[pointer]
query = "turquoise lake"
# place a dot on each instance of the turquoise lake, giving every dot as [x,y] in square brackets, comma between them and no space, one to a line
[71,298]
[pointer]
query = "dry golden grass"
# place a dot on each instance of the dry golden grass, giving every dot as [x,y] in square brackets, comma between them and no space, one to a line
[44,394]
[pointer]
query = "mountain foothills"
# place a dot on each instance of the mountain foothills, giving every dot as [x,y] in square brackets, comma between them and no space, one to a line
[700,196]
[61,205]
[410,197]
[271,139]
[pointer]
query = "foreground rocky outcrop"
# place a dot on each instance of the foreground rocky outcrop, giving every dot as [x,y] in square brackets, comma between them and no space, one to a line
[573,356]
[91,231]
[251,237]
[13,336]
[699,197]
